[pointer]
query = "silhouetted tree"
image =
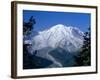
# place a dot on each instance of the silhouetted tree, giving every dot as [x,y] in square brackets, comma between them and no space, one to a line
[28,26]
[28,62]
[84,57]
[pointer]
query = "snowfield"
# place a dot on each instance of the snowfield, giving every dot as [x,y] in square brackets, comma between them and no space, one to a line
[58,44]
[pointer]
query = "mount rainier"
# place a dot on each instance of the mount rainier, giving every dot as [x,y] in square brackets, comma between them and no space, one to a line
[57,44]
[68,38]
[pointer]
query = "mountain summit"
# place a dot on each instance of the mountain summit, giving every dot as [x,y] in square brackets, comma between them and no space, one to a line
[68,38]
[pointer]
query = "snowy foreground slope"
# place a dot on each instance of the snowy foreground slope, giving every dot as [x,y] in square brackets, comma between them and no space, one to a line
[58,44]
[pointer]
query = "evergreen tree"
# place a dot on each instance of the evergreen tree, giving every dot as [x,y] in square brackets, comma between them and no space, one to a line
[28,26]
[28,62]
[84,57]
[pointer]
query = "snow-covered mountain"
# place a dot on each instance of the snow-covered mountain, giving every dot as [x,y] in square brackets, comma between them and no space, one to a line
[68,38]
[57,45]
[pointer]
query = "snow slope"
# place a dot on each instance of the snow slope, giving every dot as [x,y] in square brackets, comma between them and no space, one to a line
[68,38]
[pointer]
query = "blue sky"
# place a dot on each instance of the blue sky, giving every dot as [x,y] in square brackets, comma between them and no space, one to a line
[47,19]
